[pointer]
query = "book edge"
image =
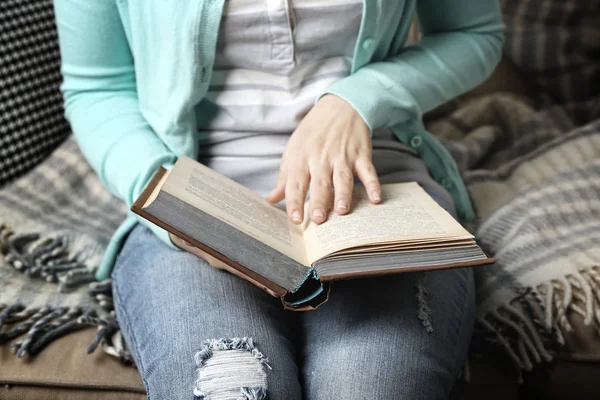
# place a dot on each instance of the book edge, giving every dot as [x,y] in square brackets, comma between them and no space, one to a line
[273,288]
[138,209]
[139,203]
[393,271]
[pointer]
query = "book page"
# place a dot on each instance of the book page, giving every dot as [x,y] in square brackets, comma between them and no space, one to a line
[235,205]
[404,245]
[407,213]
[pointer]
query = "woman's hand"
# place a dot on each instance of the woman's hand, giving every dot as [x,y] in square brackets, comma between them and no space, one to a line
[330,146]
[216,263]
[182,244]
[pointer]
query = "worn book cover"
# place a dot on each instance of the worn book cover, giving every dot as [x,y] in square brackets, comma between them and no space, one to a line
[205,210]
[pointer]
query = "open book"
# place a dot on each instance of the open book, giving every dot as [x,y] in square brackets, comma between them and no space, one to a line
[205,210]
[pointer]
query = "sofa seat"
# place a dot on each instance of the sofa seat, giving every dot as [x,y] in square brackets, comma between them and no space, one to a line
[63,371]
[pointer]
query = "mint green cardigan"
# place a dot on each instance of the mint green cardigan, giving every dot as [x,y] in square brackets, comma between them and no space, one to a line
[134,71]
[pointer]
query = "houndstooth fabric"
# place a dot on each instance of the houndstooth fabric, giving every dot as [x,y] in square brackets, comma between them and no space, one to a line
[31,113]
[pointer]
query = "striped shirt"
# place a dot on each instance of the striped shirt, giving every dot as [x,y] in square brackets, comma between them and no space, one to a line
[273,58]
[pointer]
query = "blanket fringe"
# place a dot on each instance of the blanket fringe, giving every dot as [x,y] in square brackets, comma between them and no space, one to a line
[5,233]
[51,258]
[41,326]
[535,323]
[47,257]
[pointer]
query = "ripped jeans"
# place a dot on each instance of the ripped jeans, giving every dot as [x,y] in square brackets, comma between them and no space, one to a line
[197,332]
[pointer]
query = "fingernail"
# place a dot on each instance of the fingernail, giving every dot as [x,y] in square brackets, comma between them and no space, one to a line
[318,213]
[375,196]
[296,216]
[342,205]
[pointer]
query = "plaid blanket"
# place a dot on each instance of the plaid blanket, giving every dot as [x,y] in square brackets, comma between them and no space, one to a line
[535,182]
[63,218]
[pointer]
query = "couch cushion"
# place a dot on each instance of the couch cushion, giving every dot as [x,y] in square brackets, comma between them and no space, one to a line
[565,379]
[557,43]
[489,378]
[64,371]
[54,393]
[31,112]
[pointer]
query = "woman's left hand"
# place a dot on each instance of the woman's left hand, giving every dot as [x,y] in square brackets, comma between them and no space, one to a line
[331,145]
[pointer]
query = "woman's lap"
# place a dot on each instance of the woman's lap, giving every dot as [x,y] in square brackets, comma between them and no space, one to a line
[169,302]
[373,339]
[402,336]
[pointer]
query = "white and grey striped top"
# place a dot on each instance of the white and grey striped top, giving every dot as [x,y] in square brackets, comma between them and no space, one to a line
[273,58]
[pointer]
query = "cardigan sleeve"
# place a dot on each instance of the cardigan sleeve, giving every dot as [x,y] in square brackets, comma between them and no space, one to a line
[461,45]
[100,99]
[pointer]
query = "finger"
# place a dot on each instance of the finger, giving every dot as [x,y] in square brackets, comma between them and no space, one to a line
[211,260]
[320,193]
[295,192]
[368,176]
[278,192]
[343,184]
[215,263]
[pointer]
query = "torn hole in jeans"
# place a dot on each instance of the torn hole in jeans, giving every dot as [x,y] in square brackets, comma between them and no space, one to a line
[423,312]
[230,369]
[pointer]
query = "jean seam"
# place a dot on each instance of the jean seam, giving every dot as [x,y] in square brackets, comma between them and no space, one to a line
[131,332]
[462,321]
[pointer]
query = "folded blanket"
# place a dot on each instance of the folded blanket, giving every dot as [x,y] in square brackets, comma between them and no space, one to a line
[63,219]
[535,181]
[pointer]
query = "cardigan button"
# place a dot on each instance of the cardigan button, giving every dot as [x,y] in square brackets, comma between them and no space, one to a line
[447,183]
[416,142]
[368,44]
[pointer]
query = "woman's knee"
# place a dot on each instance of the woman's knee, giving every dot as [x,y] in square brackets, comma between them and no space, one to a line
[413,346]
[221,368]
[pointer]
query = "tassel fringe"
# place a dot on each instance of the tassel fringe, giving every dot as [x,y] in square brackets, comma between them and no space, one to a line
[534,324]
[40,327]
[46,257]
[49,258]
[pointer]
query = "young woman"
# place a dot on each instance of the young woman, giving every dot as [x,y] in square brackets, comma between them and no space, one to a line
[285,97]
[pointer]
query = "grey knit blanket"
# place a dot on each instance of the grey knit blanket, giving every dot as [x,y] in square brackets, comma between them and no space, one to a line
[55,223]
[534,179]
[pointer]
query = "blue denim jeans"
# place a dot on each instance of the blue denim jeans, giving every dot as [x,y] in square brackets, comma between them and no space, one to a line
[395,337]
